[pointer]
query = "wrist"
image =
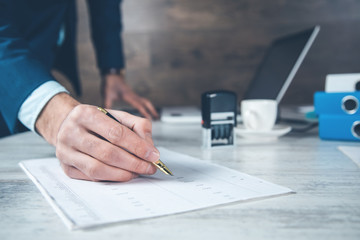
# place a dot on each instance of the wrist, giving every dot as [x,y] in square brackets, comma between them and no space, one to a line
[52,116]
[113,81]
[112,71]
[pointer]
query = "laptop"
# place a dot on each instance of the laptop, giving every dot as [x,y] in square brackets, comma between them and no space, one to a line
[272,78]
[280,64]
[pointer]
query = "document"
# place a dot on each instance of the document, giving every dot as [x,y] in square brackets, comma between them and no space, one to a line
[196,184]
[352,152]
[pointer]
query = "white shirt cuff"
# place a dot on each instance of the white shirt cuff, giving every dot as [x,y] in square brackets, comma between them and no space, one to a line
[36,101]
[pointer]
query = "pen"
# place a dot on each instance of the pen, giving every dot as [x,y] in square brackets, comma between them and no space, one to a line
[159,164]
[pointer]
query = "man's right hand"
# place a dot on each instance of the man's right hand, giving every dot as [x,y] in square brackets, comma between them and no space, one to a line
[92,146]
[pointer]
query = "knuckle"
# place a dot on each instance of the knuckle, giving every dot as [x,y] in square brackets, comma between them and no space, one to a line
[68,135]
[59,153]
[77,111]
[60,136]
[140,151]
[106,155]
[63,132]
[81,110]
[93,170]
[68,129]
[115,132]
[62,153]
[88,143]
[146,124]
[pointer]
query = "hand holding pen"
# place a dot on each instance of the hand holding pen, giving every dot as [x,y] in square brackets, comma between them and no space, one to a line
[159,164]
[92,146]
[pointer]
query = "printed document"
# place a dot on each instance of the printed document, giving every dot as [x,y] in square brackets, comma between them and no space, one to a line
[196,184]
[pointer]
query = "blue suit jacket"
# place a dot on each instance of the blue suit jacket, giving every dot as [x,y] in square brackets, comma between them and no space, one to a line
[29,33]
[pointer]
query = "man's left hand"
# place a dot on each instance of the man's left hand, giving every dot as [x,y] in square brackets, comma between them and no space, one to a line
[115,88]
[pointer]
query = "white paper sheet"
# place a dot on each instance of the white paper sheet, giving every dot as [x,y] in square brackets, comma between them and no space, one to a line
[352,152]
[195,185]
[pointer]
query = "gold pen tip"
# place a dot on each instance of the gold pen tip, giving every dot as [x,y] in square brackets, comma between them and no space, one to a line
[162,167]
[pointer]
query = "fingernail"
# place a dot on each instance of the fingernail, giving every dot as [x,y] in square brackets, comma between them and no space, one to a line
[154,156]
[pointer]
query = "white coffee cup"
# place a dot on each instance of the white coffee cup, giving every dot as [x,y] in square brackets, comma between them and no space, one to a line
[259,114]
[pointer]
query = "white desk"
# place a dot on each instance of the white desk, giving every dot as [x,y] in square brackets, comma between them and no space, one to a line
[326,205]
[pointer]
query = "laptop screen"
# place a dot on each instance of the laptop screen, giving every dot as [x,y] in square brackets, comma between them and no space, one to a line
[280,65]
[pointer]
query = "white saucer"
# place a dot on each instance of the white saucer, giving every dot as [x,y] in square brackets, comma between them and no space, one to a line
[277,131]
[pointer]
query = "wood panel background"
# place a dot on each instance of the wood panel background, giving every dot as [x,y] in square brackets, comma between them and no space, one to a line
[177,49]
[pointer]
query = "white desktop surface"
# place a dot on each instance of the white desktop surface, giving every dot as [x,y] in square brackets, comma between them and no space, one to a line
[326,204]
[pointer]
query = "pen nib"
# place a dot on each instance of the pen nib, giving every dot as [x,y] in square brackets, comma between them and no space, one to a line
[162,167]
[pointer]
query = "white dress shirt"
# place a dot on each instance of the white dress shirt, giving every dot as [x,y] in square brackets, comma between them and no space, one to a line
[36,101]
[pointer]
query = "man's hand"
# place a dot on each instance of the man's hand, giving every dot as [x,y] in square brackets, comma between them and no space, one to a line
[92,146]
[114,87]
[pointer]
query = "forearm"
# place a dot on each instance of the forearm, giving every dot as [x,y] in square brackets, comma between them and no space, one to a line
[106,26]
[53,114]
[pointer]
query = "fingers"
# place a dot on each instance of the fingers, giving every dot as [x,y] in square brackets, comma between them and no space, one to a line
[114,156]
[142,127]
[108,102]
[143,105]
[143,111]
[87,168]
[106,93]
[151,108]
[110,95]
[122,136]
[115,87]
[92,146]
[74,172]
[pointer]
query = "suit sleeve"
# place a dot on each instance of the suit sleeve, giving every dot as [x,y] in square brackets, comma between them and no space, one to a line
[106,27]
[20,71]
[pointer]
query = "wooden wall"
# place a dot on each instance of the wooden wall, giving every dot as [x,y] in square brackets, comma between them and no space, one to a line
[177,49]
